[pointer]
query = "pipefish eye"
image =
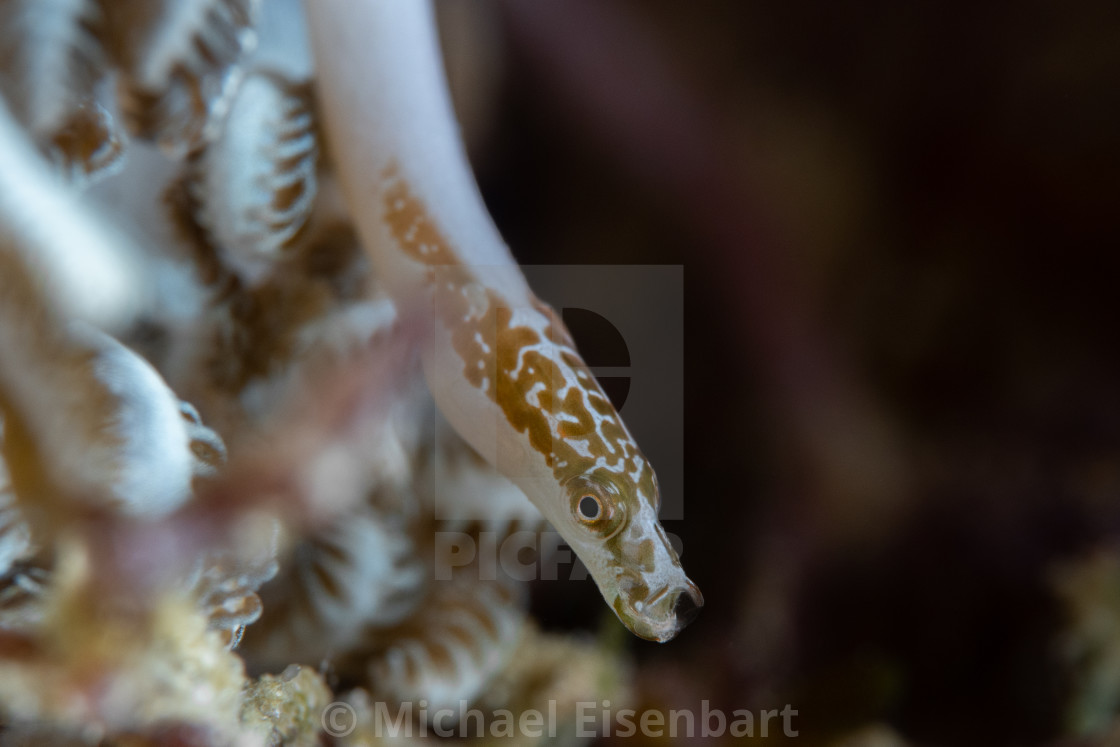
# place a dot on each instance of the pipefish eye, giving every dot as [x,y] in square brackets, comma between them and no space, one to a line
[590,508]
[596,504]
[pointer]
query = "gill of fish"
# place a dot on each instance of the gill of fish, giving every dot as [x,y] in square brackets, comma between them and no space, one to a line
[500,363]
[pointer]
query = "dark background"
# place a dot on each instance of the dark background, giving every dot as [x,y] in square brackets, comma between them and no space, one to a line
[897,222]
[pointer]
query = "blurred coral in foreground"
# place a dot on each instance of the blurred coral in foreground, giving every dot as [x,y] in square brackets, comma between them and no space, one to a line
[172,243]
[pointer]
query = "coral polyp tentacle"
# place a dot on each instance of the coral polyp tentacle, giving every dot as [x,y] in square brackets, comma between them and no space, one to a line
[253,187]
[450,653]
[52,61]
[179,63]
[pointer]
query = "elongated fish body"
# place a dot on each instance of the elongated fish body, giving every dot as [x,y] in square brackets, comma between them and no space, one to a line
[500,364]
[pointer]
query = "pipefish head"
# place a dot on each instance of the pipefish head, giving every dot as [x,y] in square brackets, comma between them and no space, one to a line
[612,525]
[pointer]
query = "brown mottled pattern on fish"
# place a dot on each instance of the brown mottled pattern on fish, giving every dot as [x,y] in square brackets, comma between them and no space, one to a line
[529,367]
